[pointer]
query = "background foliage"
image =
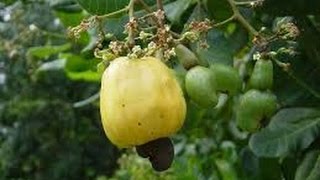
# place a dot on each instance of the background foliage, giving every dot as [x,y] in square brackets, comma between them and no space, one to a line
[49,117]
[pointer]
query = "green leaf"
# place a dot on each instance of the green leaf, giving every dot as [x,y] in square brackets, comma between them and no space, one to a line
[78,68]
[269,168]
[288,166]
[52,65]
[219,9]
[299,88]
[288,88]
[43,52]
[8,2]
[308,166]
[226,169]
[65,6]
[194,118]
[237,36]
[173,13]
[116,26]
[70,19]
[100,7]
[259,168]
[89,75]
[291,7]
[249,163]
[219,51]
[290,130]
[315,173]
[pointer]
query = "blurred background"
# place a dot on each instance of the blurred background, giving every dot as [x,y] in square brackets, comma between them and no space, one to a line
[43,133]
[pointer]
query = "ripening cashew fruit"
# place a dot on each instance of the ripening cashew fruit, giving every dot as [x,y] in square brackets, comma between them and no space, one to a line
[140,101]
[186,57]
[200,86]
[255,106]
[180,74]
[226,78]
[262,75]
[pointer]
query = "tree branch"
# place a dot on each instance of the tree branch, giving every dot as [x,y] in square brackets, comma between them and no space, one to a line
[123,10]
[237,15]
[131,20]
[160,5]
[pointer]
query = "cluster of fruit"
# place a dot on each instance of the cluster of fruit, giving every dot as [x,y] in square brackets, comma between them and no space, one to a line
[143,102]
[258,104]
[204,84]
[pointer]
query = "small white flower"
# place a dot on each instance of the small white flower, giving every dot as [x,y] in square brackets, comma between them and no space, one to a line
[32,27]
[256,56]
[136,49]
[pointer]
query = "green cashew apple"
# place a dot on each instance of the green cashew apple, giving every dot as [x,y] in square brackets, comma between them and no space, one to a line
[254,107]
[262,75]
[140,101]
[186,57]
[200,86]
[227,79]
[180,74]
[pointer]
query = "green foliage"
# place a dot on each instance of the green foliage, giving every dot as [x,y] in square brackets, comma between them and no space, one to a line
[219,50]
[290,130]
[48,139]
[43,136]
[296,7]
[308,167]
[78,68]
[219,9]
[175,14]
[44,52]
[103,7]
[99,7]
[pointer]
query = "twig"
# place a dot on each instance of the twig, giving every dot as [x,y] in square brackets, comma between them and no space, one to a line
[131,20]
[145,6]
[247,2]
[149,10]
[298,81]
[160,10]
[304,85]
[237,15]
[51,34]
[114,13]
[87,101]
[160,5]
[224,22]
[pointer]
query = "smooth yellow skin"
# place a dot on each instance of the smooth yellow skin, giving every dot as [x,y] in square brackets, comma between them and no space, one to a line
[140,101]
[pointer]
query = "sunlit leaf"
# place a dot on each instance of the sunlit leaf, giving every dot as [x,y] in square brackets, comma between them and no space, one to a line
[78,68]
[290,130]
[43,52]
[103,6]
[173,13]
[52,65]
[219,50]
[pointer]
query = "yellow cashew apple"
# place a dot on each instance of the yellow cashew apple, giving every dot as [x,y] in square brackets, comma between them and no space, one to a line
[140,101]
